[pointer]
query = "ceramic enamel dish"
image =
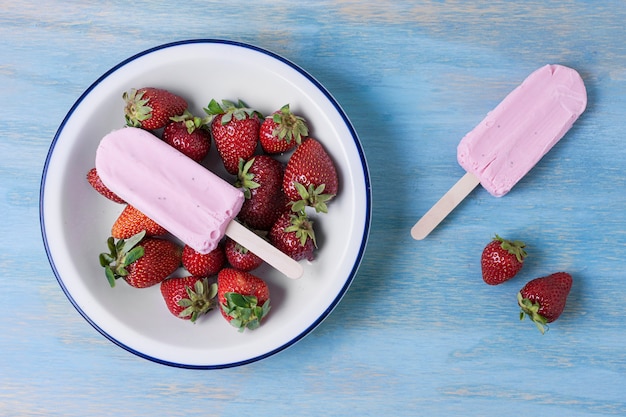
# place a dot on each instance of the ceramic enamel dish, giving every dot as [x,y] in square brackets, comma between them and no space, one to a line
[76,221]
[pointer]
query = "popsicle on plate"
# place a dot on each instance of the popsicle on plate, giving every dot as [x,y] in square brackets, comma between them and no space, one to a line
[512,138]
[184,197]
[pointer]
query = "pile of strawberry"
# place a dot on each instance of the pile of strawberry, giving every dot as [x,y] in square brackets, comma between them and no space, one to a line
[541,299]
[279,199]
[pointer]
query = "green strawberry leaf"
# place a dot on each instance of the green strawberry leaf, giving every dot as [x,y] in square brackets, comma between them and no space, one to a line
[244,311]
[132,241]
[110,275]
[530,309]
[515,247]
[112,246]
[245,179]
[122,253]
[213,108]
[134,254]
[238,300]
[105,259]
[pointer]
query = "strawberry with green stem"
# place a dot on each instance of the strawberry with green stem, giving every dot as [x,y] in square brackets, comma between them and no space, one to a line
[188,297]
[244,298]
[141,261]
[235,130]
[151,108]
[261,178]
[502,259]
[240,257]
[282,131]
[293,235]
[189,135]
[543,299]
[310,177]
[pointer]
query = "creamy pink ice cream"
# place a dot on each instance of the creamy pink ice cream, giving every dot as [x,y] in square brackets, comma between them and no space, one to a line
[523,127]
[181,195]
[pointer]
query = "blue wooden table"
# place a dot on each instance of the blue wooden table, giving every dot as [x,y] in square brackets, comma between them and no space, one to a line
[418,333]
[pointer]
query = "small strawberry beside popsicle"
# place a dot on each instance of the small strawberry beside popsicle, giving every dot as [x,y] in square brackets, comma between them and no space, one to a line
[261,178]
[235,129]
[294,235]
[132,221]
[188,134]
[203,264]
[94,180]
[543,299]
[501,260]
[240,257]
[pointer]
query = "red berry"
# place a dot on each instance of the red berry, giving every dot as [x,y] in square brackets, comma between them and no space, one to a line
[191,141]
[261,180]
[141,262]
[293,235]
[543,299]
[501,260]
[235,130]
[161,258]
[132,221]
[282,131]
[310,176]
[203,265]
[151,108]
[239,257]
[94,180]
[244,298]
[188,297]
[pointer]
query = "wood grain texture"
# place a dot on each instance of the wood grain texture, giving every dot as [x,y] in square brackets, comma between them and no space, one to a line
[418,333]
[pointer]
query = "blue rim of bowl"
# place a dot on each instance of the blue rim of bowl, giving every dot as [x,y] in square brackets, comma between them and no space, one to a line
[367,212]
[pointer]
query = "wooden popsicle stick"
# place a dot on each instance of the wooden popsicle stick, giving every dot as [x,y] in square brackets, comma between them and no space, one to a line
[444,206]
[264,250]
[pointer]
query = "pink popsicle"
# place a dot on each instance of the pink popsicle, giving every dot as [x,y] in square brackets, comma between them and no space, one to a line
[184,197]
[512,138]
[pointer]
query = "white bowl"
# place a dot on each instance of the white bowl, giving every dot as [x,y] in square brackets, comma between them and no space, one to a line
[76,221]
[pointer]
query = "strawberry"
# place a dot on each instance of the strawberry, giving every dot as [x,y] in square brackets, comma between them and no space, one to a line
[94,180]
[310,177]
[151,108]
[141,261]
[189,135]
[132,221]
[501,260]
[543,299]
[188,297]
[235,129]
[282,131]
[203,265]
[293,235]
[239,257]
[244,298]
[261,179]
